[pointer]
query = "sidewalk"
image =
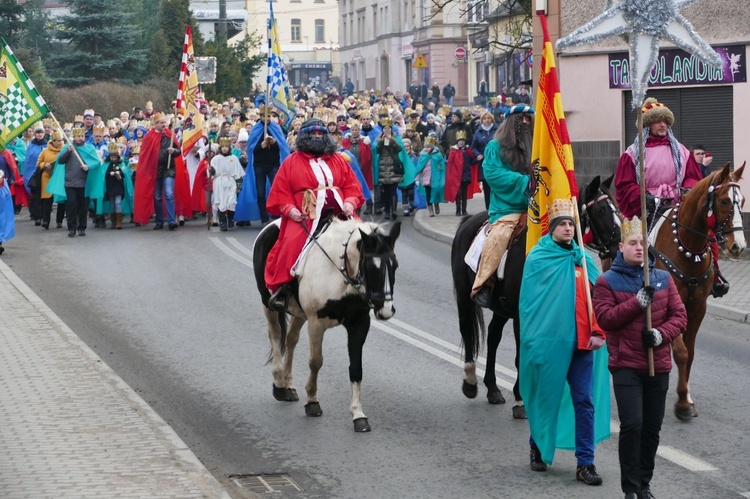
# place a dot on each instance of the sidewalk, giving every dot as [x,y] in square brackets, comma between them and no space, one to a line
[734,306]
[69,426]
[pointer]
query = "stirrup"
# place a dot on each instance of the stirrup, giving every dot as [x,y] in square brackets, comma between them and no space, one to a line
[279,301]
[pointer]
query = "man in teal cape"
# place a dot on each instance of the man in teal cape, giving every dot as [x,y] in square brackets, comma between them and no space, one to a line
[563,373]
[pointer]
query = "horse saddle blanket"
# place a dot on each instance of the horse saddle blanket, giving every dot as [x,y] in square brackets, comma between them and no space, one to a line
[475,250]
[655,229]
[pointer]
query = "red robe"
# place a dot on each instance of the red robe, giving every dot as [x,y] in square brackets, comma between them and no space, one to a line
[365,158]
[16,189]
[294,177]
[453,173]
[182,205]
[145,181]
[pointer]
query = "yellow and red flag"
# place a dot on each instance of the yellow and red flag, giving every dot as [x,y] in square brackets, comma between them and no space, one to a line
[551,154]
[188,97]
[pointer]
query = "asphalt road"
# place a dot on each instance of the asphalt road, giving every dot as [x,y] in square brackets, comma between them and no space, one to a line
[177,316]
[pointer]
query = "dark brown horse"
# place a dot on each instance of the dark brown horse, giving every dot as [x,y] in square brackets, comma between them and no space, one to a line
[713,206]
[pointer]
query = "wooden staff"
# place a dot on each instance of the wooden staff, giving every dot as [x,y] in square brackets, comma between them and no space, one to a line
[589,305]
[644,225]
[67,139]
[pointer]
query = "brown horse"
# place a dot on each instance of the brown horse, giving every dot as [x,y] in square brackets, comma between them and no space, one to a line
[713,206]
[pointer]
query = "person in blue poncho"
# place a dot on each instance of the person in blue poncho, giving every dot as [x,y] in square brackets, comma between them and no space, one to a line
[562,373]
[33,150]
[7,215]
[266,150]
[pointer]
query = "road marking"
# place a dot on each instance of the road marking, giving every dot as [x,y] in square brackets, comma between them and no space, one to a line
[684,459]
[225,249]
[669,453]
[745,494]
[241,247]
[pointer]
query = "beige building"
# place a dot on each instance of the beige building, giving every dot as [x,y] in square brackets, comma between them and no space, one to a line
[309,35]
[381,43]
[709,106]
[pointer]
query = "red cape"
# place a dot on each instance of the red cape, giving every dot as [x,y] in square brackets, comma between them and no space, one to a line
[182,205]
[454,172]
[145,181]
[16,189]
[365,159]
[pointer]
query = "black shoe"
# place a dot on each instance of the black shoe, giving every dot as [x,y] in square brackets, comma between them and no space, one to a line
[631,495]
[588,475]
[173,226]
[182,222]
[59,226]
[368,211]
[158,226]
[463,213]
[2,250]
[483,298]
[719,289]
[437,209]
[45,226]
[71,233]
[378,211]
[81,232]
[535,459]
[37,222]
[645,493]
[279,301]
[394,216]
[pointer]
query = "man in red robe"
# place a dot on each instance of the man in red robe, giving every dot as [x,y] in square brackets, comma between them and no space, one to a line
[359,146]
[310,182]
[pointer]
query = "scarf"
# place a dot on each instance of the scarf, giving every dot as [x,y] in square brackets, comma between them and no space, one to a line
[673,145]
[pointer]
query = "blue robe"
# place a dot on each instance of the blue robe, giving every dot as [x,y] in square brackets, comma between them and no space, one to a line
[247,200]
[548,338]
[7,215]
[29,164]
[358,172]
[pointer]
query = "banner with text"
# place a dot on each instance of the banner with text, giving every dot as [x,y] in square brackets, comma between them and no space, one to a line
[677,67]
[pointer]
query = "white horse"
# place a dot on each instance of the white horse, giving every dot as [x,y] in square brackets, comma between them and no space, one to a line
[347,270]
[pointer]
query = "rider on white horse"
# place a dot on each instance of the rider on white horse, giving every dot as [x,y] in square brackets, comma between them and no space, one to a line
[312,180]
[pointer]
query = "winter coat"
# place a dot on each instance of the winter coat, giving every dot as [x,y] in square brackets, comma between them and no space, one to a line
[48,155]
[480,141]
[387,154]
[621,316]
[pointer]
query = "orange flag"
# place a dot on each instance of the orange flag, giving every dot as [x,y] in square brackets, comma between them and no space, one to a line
[551,154]
[188,97]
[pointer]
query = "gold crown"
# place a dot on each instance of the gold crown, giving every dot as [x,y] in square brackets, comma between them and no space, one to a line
[78,117]
[135,148]
[384,122]
[68,126]
[561,208]
[461,135]
[56,135]
[156,117]
[409,126]
[225,142]
[122,140]
[112,148]
[100,129]
[79,132]
[631,227]
[48,122]
[430,141]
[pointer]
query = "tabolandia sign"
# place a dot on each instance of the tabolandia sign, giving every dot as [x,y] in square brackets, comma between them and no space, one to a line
[677,67]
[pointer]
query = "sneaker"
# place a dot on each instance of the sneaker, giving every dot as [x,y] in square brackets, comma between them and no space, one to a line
[38,222]
[71,233]
[173,226]
[81,232]
[646,493]
[535,459]
[588,475]
[45,226]
[59,226]
[158,226]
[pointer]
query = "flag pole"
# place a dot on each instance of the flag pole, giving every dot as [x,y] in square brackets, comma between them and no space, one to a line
[584,265]
[644,225]
[67,138]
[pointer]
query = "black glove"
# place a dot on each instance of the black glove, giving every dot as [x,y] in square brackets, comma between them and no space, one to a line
[651,203]
[651,338]
[211,171]
[645,296]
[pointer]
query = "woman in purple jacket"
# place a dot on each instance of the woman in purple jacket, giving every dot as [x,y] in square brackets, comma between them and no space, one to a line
[619,302]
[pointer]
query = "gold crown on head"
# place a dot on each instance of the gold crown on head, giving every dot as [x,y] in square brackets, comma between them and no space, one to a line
[461,135]
[561,208]
[631,227]
[430,141]
[100,129]
[384,122]
[79,132]
[78,117]
[112,148]
[156,117]
[56,135]
[225,141]
[48,122]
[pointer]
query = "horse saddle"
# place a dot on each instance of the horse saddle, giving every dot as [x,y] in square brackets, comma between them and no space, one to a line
[475,250]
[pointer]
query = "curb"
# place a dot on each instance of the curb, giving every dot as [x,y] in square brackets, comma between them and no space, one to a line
[180,452]
[715,309]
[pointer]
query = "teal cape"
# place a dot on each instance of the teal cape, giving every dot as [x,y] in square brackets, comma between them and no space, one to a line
[102,205]
[409,170]
[509,190]
[548,339]
[94,189]
[437,175]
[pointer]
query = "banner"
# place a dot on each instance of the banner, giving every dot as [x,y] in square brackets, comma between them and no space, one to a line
[551,152]
[20,103]
[278,82]
[188,97]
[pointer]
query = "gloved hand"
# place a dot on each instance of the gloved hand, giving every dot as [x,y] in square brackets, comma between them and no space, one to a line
[651,203]
[652,338]
[645,296]
[211,171]
[595,343]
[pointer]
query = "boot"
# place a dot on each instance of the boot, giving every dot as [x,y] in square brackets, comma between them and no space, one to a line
[437,209]
[230,219]
[431,210]
[223,222]
[463,207]
[113,221]
[118,220]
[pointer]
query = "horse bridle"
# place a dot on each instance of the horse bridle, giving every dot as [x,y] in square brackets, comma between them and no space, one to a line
[721,229]
[600,243]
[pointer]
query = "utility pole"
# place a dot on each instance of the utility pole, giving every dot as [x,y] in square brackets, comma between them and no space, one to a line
[222,34]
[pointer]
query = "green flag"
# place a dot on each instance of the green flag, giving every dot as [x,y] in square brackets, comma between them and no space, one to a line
[20,102]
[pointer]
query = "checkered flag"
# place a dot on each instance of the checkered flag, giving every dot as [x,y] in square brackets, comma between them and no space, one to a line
[20,103]
[280,93]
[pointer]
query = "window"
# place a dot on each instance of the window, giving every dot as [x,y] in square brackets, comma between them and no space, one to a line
[296,30]
[476,10]
[320,31]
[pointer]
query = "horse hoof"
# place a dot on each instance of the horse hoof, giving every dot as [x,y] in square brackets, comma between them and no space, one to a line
[279,393]
[291,395]
[684,414]
[469,390]
[313,410]
[494,397]
[361,425]
[519,412]
[693,412]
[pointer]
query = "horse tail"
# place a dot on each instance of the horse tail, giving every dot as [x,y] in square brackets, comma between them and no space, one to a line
[470,316]
[262,247]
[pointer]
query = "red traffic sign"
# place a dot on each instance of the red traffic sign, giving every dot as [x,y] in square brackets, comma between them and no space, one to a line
[460,53]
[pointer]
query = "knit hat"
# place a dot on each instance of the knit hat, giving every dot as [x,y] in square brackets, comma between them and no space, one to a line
[561,209]
[313,125]
[242,135]
[654,112]
[520,108]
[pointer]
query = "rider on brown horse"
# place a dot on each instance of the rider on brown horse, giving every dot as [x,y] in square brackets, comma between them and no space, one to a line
[670,168]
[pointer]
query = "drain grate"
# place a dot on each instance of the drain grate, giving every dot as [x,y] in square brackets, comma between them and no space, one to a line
[262,484]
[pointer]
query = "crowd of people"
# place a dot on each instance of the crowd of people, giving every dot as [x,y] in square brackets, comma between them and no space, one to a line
[365,154]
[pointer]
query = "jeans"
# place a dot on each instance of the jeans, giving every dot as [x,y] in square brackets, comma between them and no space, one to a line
[115,205]
[77,206]
[581,381]
[164,188]
[641,401]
